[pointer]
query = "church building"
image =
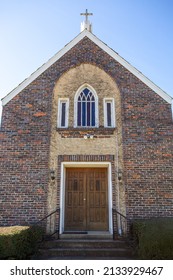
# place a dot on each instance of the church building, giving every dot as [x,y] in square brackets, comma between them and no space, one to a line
[88,138]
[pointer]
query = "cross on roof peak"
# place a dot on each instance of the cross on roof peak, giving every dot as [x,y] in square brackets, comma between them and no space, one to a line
[86,14]
[86,24]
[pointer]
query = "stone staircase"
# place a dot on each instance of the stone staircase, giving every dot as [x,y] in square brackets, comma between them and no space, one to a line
[71,247]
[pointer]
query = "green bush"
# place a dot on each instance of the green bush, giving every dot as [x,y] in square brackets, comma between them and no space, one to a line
[19,242]
[154,238]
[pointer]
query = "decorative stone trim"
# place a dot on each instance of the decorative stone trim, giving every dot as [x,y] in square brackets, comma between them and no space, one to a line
[86,158]
[100,132]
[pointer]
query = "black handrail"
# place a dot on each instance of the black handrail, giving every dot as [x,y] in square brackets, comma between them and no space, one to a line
[56,222]
[117,224]
[120,213]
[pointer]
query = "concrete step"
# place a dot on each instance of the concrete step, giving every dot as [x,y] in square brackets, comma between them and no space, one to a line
[93,243]
[85,249]
[87,235]
[87,253]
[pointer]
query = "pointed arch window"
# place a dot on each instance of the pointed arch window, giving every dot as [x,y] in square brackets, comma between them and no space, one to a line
[86,108]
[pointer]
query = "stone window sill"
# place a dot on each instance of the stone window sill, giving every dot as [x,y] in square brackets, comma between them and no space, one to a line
[77,132]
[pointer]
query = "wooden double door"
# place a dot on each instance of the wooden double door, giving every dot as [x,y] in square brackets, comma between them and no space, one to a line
[86,199]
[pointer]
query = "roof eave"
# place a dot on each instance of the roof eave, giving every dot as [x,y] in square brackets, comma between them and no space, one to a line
[103,46]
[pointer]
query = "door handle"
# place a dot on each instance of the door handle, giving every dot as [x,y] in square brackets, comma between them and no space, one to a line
[84,199]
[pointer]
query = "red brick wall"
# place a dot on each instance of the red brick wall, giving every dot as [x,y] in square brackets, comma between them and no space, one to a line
[25,133]
[24,162]
[148,156]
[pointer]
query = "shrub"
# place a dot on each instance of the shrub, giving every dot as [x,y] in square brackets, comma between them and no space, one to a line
[19,242]
[154,238]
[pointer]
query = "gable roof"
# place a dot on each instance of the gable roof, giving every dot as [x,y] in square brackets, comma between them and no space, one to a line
[104,47]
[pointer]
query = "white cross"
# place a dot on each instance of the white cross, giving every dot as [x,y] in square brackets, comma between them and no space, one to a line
[86,14]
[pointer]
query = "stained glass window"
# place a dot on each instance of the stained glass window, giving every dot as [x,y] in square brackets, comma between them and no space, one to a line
[86,108]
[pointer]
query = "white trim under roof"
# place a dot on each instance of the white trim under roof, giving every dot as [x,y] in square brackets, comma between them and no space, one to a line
[104,47]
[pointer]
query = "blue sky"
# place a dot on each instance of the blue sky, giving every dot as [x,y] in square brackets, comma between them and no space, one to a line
[32,31]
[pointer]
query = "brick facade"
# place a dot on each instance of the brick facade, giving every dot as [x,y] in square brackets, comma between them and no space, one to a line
[141,143]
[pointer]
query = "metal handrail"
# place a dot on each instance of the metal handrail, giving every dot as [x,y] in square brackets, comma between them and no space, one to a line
[48,215]
[120,213]
[43,223]
[118,225]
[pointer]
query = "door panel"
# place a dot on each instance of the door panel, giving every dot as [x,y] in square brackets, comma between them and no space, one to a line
[86,199]
[98,200]
[74,200]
